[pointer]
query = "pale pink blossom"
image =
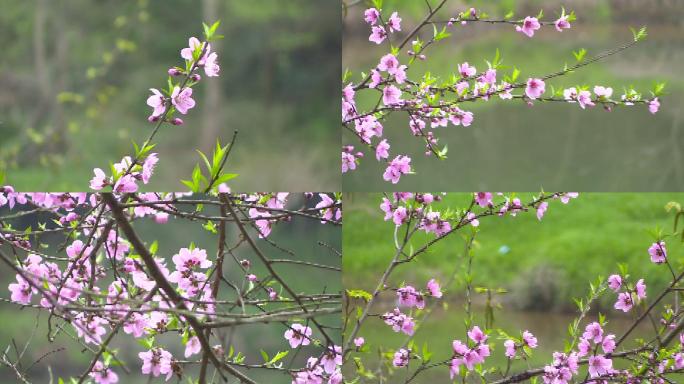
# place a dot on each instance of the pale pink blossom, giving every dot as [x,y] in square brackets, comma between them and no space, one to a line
[529,25]
[483,199]
[599,366]
[602,92]
[156,361]
[182,100]
[382,150]
[466,70]
[562,23]
[584,99]
[99,180]
[434,288]
[400,165]
[371,15]
[388,63]
[102,374]
[653,105]
[401,358]
[608,344]
[193,346]
[541,209]
[510,348]
[535,88]
[394,22]
[640,288]
[194,43]
[148,167]
[529,339]
[614,282]
[391,95]
[297,335]
[126,184]
[378,34]
[624,302]
[211,67]
[157,102]
[21,291]
[658,252]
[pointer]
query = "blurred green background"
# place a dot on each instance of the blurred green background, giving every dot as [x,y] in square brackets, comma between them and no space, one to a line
[543,266]
[555,145]
[301,236]
[76,76]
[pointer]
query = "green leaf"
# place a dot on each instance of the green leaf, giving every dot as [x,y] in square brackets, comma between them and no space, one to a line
[196,177]
[658,89]
[107,357]
[443,34]
[206,161]
[154,247]
[279,356]
[188,184]
[427,355]
[264,355]
[226,177]
[210,226]
[442,154]
[515,74]
[346,75]
[359,294]
[640,34]
[579,55]
[497,59]
[147,343]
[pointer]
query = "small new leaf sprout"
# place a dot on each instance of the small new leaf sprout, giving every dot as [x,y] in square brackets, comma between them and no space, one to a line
[640,34]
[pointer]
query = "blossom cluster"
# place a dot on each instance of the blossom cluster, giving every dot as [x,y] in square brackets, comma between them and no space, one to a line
[512,347]
[62,284]
[164,103]
[127,175]
[627,296]
[266,207]
[474,351]
[406,206]
[592,354]
[197,54]
[434,103]
[323,369]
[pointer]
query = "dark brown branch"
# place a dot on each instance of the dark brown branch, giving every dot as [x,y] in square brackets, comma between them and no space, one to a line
[156,274]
